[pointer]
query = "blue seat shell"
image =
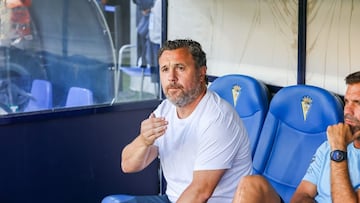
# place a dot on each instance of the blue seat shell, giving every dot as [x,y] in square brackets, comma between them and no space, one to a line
[295,126]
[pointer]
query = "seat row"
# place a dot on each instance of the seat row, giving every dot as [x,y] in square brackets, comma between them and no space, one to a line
[284,129]
[41,96]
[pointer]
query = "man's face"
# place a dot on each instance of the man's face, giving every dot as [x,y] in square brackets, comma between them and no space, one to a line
[352,107]
[180,80]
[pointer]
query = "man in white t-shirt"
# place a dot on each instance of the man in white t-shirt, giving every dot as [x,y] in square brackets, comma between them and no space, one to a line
[201,141]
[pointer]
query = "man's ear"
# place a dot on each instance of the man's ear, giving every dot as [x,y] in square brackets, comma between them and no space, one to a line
[203,71]
[202,74]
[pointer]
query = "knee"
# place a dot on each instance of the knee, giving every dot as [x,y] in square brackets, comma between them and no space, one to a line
[251,182]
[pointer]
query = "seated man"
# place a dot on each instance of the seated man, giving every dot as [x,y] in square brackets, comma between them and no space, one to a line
[334,173]
[202,143]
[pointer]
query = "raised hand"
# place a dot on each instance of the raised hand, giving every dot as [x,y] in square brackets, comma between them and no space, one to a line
[152,128]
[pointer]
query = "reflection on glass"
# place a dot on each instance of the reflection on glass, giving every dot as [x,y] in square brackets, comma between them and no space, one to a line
[48,48]
[137,62]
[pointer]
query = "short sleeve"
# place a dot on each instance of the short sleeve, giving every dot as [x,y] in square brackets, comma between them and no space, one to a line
[314,171]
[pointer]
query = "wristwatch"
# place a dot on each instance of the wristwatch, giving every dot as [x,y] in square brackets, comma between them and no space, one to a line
[338,155]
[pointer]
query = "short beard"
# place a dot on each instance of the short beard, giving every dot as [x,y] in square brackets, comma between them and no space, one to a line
[355,130]
[186,98]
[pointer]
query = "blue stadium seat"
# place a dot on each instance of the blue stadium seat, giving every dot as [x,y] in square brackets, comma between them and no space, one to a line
[294,127]
[116,198]
[78,96]
[41,96]
[249,97]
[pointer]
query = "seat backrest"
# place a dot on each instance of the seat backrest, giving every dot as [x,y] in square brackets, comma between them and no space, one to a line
[294,127]
[78,96]
[41,96]
[249,97]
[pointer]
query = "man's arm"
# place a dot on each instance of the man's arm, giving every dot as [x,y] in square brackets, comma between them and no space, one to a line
[141,152]
[339,136]
[202,186]
[305,193]
[137,155]
[341,188]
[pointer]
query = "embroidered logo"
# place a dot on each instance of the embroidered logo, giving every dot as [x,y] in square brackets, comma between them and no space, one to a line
[306,103]
[235,93]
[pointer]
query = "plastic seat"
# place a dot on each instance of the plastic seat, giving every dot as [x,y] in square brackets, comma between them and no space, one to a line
[78,96]
[249,97]
[119,198]
[294,127]
[41,96]
[116,198]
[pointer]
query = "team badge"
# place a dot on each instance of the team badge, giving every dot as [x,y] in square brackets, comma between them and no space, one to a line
[306,103]
[235,93]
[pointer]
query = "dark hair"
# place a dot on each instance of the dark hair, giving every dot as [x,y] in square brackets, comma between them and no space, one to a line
[353,78]
[194,48]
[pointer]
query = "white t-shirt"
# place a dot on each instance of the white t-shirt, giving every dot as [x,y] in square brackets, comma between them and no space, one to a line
[212,137]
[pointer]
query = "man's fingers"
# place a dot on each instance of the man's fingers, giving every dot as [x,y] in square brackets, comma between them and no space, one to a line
[356,136]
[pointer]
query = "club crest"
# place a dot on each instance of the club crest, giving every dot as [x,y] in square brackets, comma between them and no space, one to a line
[235,93]
[306,103]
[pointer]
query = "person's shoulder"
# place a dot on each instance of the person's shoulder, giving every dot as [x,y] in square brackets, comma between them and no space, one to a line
[216,104]
[213,95]
[219,101]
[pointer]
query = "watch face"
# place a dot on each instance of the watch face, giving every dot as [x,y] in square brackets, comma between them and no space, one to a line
[338,155]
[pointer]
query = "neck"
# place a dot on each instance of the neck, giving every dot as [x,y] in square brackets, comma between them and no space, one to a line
[185,111]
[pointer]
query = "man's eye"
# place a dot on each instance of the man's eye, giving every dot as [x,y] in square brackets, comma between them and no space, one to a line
[181,68]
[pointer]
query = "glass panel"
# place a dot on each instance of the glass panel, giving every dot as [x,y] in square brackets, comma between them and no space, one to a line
[333,44]
[48,47]
[65,53]
[137,61]
[257,38]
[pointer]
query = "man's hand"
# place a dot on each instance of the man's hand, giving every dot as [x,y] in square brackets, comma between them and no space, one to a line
[152,128]
[339,136]
[141,151]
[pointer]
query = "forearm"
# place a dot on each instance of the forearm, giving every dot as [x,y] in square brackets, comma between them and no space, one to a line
[305,193]
[194,195]
[302,198]
[202,186]
[339,136]
[341,188]
[136,156]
